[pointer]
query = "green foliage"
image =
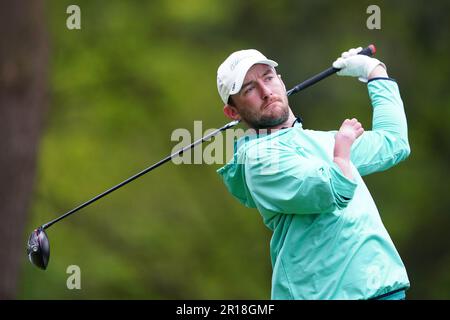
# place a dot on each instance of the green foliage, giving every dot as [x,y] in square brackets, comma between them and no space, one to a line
[138,70]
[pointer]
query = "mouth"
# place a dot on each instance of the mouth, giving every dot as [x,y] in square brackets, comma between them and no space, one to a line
[270,104]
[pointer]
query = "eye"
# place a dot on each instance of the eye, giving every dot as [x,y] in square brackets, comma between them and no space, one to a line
[248,90]
[269,78]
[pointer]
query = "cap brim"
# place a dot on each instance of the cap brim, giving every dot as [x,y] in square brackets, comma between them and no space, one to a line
[243,72]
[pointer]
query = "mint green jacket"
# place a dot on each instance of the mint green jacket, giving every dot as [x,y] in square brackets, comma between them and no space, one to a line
[328,239]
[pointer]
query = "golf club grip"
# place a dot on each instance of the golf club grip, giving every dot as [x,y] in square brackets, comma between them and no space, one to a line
[368,51]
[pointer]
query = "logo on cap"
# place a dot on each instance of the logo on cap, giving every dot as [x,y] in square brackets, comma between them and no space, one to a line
[234,64]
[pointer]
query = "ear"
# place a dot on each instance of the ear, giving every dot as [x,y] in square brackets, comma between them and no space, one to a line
[231,112]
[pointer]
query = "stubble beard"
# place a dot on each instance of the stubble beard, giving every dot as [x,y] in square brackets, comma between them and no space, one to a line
[267,121]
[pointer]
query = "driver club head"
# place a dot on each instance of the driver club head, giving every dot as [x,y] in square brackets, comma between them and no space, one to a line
[38,248]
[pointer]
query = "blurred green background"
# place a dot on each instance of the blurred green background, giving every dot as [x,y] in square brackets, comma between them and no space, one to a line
[138,70]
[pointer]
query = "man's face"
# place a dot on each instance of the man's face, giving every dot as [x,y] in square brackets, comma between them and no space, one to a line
[262,101]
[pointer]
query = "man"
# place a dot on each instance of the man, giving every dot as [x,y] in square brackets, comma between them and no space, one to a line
[328,239]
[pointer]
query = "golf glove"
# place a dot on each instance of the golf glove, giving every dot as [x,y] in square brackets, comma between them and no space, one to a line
[354,65]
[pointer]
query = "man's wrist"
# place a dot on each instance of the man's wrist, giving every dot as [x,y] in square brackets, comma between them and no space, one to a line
[344,165]
[378,72]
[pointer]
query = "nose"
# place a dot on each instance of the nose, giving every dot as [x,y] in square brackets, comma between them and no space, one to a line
[265,91]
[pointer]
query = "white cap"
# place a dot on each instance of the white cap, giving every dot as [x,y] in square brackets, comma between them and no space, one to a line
[232,71]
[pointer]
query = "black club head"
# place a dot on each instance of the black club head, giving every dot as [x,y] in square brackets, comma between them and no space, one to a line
[38,248]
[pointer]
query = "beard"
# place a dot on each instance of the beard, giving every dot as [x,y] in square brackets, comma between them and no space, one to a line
[267,121]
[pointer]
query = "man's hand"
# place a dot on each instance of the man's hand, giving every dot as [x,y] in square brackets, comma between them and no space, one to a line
[361,66]
[350,130]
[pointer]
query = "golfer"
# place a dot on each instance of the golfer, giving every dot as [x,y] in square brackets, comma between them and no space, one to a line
[328,239]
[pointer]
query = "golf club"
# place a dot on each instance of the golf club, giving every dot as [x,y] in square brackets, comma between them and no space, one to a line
[38,246]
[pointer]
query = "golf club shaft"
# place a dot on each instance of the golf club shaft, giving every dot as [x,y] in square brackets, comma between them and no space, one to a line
[173,155]
[370,50]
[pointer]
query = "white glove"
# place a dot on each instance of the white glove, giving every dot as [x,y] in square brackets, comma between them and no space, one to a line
[355,65]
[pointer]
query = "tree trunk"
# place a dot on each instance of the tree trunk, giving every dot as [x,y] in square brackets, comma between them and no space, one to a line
[23,95]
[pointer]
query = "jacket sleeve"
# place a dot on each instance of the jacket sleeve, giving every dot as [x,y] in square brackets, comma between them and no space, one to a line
[387,143]
[282,181]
